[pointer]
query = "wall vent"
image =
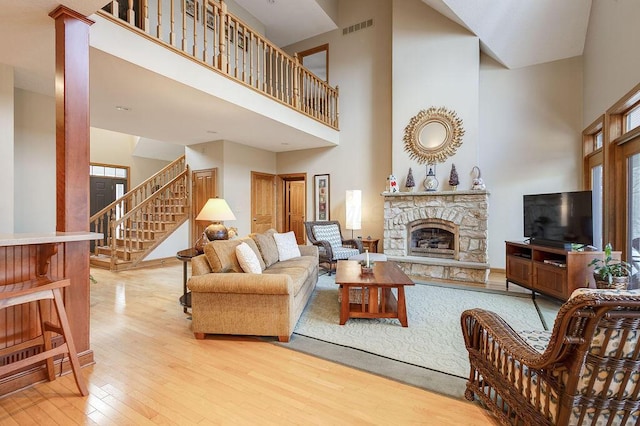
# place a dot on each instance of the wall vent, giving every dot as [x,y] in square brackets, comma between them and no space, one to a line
[356,27]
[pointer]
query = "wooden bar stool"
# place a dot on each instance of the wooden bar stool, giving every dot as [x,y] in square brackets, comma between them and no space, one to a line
[39,290]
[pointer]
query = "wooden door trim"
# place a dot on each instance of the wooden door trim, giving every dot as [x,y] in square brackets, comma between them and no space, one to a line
[194,232]
[280,184]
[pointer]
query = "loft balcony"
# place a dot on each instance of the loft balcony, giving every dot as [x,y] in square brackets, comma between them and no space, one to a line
[207,70]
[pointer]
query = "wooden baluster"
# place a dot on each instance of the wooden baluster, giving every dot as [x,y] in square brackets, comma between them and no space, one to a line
[145,16]
[205,14]
[196,9]
[115,9]
[224,25]
[296,81]
[159,26]
[172,30]
[131,14]
[184,26]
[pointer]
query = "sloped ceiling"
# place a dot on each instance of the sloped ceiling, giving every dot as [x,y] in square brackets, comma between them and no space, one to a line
[519,33]
[516,33]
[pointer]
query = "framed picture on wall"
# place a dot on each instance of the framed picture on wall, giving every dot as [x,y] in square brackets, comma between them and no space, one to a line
[321,196]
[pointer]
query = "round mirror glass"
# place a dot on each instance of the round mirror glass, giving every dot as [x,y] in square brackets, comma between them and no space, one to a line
[433,135]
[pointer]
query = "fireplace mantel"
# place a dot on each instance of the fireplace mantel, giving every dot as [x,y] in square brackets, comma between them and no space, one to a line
[466,209]
[435,193]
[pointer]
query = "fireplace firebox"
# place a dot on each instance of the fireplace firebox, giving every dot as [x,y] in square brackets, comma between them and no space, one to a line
[433,238]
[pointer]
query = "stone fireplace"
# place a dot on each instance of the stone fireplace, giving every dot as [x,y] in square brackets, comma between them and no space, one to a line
[438,235]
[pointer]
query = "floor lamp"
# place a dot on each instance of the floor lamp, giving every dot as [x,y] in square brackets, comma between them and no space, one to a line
[354,209]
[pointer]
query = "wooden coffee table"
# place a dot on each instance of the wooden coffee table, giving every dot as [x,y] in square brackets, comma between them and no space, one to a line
[381,302]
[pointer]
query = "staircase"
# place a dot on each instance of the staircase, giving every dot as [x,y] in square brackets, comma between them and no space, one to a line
[135,224]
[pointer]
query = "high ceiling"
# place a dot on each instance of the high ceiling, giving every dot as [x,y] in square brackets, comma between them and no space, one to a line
[516,33]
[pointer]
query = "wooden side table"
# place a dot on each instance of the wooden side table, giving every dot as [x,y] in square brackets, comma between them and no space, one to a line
[185,256]
[370,244]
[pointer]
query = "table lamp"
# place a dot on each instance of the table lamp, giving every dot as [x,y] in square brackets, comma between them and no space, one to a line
[215,210]
[354,209]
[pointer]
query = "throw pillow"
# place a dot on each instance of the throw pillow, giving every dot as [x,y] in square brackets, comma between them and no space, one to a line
[267,246]
[287,245]
[251,243]
[221,255]
[248,259]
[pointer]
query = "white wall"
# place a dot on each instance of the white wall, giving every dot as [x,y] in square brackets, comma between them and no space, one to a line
[118,149]
[435,64]
[6,148]
[611,56]
[235,162]
[359,65]
[34,163]
[530,140]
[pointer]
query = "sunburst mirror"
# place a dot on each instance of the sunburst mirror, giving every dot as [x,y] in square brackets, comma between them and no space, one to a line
[433,135]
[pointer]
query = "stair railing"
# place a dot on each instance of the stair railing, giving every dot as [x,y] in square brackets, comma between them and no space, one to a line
[101,221]
[168,205]
[205,31]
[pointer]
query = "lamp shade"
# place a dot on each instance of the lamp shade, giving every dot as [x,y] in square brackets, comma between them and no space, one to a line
[215,210]
[354,209]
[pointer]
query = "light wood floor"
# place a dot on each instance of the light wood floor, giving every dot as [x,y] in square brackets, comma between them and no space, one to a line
[150,370]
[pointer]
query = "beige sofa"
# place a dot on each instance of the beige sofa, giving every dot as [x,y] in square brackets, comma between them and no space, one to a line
[226,300]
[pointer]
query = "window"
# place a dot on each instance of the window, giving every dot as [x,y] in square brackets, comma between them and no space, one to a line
[107,171]
[596,190]
[598,140]
[632,118]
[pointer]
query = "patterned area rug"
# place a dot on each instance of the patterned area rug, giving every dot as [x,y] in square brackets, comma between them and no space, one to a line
[433,339]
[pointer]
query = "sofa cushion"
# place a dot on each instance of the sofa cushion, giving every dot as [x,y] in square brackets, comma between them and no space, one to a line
[287,245]
[248,259]
[221,255]
[267,246]
[251,243]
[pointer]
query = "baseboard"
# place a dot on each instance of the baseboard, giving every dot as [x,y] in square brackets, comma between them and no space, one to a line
[38,373]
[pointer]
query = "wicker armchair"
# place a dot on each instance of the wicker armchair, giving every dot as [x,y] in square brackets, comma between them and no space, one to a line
[327,235]
[585,371]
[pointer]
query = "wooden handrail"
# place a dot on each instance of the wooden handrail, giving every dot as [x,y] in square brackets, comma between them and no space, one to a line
[204,31]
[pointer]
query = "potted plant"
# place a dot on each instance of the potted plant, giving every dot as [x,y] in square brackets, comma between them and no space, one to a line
[611,273]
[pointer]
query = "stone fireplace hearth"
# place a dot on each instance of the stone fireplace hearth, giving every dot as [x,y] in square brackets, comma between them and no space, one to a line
[438,235]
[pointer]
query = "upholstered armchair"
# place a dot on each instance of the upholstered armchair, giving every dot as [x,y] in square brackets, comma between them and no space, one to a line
[586,371]
[327,235]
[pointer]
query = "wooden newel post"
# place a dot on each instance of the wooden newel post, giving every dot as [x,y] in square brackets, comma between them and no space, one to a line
[72,161]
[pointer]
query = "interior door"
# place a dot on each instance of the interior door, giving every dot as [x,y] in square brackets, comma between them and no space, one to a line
[263,202]
[203,187]
[295,195]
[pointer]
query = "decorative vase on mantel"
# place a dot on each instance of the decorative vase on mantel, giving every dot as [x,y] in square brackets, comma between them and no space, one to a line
[431,183]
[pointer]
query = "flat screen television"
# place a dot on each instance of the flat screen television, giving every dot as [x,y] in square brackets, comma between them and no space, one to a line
[559,219]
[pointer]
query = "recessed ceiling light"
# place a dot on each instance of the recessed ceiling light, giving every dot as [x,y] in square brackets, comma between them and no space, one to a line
[123,108]
[284,143]
[213,132]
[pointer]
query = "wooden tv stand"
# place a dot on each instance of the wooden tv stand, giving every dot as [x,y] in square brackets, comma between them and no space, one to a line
[551,271]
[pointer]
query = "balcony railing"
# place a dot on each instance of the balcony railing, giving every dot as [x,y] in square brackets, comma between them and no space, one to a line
[204,30]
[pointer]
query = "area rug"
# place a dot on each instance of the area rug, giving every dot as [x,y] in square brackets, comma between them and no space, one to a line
[433,341]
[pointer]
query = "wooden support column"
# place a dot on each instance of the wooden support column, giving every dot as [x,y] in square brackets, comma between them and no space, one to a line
[72,162]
